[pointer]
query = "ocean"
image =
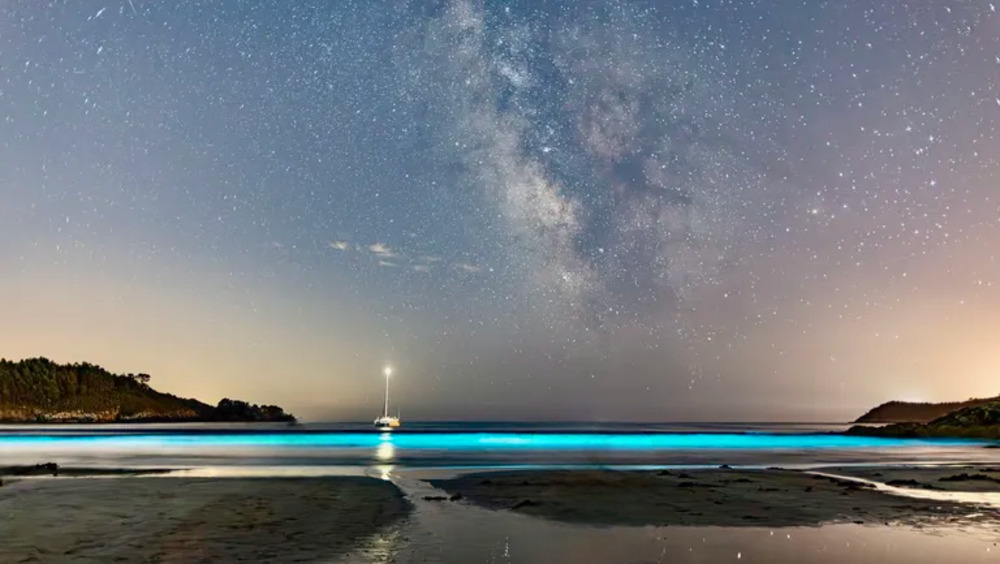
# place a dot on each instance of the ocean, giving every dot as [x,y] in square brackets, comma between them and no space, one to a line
[58,520]
[469,445]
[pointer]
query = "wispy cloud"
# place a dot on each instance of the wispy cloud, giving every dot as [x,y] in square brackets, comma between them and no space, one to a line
[382,250]
[392,258]
[466,267]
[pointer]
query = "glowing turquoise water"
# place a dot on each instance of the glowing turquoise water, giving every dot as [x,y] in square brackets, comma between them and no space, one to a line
[482,441]
[459,446]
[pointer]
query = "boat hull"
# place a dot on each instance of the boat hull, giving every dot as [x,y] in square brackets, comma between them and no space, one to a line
[387,422]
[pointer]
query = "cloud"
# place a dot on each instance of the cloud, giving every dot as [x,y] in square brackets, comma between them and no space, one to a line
[382,250]
[391,258]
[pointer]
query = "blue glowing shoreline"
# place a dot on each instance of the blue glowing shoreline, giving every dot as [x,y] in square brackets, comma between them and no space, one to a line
[477,441]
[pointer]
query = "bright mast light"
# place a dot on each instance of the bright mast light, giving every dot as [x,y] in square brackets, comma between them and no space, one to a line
[385,409]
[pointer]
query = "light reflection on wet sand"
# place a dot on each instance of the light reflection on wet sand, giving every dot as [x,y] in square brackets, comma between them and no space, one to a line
[990,499]
[457,532]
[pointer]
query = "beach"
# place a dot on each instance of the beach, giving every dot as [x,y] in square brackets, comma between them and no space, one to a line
[482,516]
[182,520]
[724,497]
[488,495]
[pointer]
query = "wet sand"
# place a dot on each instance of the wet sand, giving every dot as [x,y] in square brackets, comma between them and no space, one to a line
[718,497]
[146,519]
[585,516]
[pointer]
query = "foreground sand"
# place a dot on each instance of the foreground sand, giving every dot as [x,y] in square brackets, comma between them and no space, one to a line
[723,497]
[145,519]
[125,518]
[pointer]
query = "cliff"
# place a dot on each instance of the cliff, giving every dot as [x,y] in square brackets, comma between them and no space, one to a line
[909,412]
[40,391]
[974,422]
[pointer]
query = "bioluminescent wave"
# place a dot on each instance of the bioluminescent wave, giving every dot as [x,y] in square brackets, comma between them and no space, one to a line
[480,441]
[471,446]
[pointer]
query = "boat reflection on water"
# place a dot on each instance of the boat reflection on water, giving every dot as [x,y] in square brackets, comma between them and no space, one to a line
[386,451]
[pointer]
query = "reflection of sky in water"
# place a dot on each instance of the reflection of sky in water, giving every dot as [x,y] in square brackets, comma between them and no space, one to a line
[461,532]
[991,499]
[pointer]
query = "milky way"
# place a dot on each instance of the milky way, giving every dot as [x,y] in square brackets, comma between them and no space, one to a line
[628,209]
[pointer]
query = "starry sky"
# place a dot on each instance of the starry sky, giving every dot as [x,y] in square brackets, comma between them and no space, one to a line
[632,210]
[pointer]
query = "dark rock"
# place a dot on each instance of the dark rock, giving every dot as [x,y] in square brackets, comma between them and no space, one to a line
[525,503]
[456,496]
[486,482]
[904,483]
[963,477]
[237,410]
[725,467]
[435,498]
[35,470]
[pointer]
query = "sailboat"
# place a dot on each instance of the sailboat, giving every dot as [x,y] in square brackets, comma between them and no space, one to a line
[386,421]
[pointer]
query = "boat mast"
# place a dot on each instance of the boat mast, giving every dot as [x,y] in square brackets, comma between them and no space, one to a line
[385,409]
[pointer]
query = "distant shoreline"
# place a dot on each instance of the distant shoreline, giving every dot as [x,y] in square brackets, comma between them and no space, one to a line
[152,421]
[40,391]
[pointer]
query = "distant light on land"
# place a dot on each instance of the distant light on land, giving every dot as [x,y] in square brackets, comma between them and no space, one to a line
[387,371]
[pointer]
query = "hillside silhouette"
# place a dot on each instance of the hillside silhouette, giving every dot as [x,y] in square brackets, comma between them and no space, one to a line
[38,390]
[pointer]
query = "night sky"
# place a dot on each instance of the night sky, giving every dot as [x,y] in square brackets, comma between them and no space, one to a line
[763,210]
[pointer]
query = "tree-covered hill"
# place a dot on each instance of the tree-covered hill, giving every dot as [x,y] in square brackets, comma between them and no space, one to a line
[911,412]
[39,390]
[980,421]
